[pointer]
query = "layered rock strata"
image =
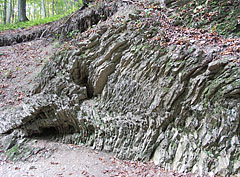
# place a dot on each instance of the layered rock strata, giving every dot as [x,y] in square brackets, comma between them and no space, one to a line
[117,91]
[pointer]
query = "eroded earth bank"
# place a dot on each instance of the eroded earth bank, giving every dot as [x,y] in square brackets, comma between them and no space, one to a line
[142,88]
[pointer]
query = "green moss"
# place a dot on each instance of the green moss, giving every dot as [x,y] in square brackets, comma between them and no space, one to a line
[137,48]
[60,74]
[14,149]
[156,48]
[163,51]
[165,89]
[191,50]
[73,34]
[171,78]
[84,55]
[13,152]
[146,46]
[168,65]
[174,145]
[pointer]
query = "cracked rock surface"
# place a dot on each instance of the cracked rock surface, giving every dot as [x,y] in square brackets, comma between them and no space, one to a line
[116,91]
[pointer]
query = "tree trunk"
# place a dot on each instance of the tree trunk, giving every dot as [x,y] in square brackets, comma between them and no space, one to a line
[29,12]
[13,6]
[43,9]
[34,9]
[48,9]
[5,12]
[56,7]
[22,11]
[52,7]
[9,11]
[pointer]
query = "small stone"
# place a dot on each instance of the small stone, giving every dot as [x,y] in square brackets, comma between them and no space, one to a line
[133,16]
[32,168]
[8,141]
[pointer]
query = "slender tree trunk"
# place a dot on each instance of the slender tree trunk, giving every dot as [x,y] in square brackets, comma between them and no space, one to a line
[34,9]
[13,7]
[56,7]
[48,8]
[29,13]
[5,12]
[9,11]
[43,9]
[40,12]
[52,7]
[22,11]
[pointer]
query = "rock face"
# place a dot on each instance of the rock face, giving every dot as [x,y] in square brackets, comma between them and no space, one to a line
[117,91]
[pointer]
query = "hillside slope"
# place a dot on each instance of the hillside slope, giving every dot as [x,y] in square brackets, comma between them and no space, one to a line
[219,16]
[143,88]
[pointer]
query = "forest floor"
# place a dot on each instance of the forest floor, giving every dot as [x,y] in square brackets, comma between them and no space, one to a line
[60,160]
[19,65]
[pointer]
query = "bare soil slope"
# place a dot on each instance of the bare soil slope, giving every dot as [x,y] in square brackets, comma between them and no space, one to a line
[20,64]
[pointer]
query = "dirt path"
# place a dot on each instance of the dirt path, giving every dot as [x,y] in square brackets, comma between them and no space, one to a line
[76,161]
[19,65]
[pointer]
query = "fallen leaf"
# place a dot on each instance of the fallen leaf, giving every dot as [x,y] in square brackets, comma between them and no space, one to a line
[54,163]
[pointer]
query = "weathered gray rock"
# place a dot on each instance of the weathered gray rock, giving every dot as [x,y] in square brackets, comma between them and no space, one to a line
[8,141]
[179,105]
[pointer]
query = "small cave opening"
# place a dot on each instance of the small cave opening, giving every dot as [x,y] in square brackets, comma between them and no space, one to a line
[49,131]
[46,132]
[54,132]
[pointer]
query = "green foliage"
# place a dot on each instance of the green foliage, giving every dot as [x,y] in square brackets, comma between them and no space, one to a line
[72,34]
[12,152]
[21,25]
[60,10]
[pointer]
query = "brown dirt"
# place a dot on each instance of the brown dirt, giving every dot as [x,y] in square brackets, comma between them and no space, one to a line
[19,65]
[76,161]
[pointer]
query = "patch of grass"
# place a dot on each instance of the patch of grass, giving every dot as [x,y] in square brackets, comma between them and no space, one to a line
[21,25]
[36,22]
[12,152]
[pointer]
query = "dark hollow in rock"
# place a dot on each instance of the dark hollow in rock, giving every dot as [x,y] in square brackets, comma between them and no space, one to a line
[46,132]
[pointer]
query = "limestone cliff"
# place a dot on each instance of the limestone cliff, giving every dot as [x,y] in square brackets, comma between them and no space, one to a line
[116,89]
